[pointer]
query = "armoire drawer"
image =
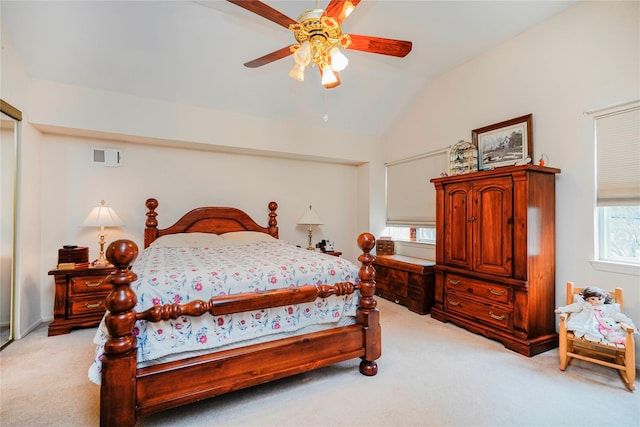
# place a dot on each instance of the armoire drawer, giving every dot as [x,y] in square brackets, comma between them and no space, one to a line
[494,315]
[474,288]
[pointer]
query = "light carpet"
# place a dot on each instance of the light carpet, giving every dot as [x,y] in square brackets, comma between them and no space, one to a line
[430,374]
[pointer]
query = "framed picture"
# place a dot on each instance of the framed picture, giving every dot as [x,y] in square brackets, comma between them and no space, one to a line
[504,144]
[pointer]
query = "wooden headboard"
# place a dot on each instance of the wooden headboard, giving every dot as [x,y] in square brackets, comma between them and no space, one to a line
[211,219]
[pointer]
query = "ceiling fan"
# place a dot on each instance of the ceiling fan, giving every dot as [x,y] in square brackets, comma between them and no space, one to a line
[319,39]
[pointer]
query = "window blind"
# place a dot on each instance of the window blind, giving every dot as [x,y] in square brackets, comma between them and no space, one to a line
[618,156]
[411,198]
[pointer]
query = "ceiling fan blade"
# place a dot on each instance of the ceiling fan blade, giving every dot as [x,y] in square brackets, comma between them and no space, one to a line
[340,9]
[269,57]
[259,8]
[380,45]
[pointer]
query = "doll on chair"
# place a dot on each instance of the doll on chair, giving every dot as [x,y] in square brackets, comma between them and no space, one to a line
[591,317]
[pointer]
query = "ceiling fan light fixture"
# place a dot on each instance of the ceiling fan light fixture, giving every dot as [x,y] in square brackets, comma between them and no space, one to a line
[319,34]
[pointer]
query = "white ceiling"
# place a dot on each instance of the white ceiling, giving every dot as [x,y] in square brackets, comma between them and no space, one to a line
[191,52]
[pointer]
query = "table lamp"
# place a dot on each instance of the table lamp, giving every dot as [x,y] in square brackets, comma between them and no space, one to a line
[102,216]
[310,218]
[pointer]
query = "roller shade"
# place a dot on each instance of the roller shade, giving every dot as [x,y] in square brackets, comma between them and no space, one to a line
[411,198]
[618,156]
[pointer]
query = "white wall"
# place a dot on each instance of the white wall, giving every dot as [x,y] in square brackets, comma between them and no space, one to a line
[182,179]
[587,57]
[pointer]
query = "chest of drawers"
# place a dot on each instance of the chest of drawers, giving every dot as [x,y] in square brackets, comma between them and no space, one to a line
[405,280]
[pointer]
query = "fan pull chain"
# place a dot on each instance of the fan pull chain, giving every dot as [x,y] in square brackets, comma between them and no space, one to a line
[326,109]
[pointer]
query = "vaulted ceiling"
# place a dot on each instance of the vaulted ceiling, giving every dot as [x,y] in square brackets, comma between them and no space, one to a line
[191,52]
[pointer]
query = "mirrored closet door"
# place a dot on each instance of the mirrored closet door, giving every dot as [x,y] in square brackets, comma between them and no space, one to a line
[9,132]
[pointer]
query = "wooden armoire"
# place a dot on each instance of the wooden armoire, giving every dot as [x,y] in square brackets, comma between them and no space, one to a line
[495,255]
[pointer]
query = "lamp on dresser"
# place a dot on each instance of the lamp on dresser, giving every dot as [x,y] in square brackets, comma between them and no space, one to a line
[102,216]
[310,218]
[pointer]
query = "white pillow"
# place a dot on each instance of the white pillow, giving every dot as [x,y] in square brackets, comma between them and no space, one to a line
[248,236]
[187,240]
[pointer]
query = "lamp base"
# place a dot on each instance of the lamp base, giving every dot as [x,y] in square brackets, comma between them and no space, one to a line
[102,260]
[310,247]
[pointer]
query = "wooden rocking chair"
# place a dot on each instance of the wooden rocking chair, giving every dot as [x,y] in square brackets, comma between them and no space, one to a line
[617,356]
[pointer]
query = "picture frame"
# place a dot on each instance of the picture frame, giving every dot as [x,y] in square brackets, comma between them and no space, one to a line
[504,144]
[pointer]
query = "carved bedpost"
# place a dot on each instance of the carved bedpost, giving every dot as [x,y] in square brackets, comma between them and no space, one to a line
[273,222]
[367,314]
[151,230]
[118,390]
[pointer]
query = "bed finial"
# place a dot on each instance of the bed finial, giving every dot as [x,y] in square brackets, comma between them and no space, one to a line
[366,242]
[151,205]
[151,230]
[273,222]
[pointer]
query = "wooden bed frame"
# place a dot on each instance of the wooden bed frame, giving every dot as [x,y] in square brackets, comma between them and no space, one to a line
[128,392]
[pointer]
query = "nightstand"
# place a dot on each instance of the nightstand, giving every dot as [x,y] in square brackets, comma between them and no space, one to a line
[80,297]
[334,253]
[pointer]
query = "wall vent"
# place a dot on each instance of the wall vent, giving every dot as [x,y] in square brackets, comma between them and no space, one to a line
[111,157]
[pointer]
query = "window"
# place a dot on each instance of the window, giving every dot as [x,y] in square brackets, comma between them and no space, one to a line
[619,234]
[617,133]
[411,197]
[420,234]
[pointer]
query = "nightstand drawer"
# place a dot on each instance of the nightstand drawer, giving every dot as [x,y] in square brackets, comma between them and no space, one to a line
[94,305]
[490,292]
[88,284]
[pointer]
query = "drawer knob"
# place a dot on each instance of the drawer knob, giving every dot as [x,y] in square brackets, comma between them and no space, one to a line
[92,284]
[94,305]
[454,282]
[494,292]
[454,303]
[496,317]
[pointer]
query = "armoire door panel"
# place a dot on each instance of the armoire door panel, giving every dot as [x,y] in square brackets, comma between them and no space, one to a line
[458,226]
[492,226]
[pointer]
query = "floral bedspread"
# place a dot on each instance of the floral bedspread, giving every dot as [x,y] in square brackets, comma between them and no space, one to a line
[179,275]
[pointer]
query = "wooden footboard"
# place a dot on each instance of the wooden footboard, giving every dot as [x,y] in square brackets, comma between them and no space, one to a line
[128,392]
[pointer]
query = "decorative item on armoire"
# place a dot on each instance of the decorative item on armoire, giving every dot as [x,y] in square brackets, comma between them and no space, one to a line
[463,158]
[506,143]
[544,159]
